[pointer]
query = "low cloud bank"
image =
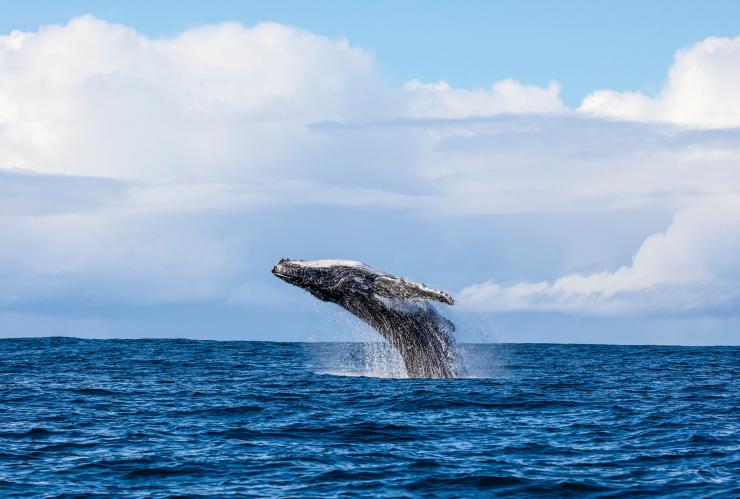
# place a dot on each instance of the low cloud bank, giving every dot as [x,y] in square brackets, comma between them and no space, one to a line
[693,266]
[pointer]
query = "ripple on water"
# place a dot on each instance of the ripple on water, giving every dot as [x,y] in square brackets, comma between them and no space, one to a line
[175,417]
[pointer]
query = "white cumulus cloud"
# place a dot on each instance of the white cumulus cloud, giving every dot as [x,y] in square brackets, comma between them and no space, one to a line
[213,103]
[694,265]
[94,98]
[440,100]
[701,90]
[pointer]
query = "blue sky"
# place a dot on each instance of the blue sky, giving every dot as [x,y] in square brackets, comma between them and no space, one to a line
[569,174]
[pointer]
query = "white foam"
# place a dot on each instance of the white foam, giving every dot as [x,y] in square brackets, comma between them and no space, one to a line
[398,374]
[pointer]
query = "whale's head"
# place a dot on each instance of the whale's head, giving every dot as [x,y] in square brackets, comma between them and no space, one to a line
[325,279]
[334,280]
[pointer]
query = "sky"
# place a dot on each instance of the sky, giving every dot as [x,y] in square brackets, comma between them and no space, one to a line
[569,173]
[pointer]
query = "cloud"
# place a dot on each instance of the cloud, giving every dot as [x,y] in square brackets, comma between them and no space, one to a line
[233,117]
[91,239]
[95,259]
[175,170]
[439,100]
[701,90]
[694,265]
[560,163]
[97,242]
[24,193]
[213,103]
[95,98]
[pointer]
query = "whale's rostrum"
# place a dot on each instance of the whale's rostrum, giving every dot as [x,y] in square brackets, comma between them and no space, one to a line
[397,308]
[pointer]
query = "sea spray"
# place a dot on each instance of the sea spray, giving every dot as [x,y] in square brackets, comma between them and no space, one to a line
[364,352]
[471,331]
[345,346]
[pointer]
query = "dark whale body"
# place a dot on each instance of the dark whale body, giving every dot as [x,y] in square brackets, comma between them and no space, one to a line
[398,309]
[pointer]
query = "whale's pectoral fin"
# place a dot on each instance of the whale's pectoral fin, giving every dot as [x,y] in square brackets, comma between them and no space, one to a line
[407,290]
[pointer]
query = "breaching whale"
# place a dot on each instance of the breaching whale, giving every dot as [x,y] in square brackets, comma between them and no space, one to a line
[398,309]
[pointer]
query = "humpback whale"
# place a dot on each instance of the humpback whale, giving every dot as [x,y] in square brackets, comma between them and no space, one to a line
[398,309]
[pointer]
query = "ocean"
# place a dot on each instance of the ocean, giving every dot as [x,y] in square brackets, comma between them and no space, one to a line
[161,418]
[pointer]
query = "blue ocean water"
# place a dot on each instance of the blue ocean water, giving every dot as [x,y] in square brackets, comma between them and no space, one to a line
[174,417]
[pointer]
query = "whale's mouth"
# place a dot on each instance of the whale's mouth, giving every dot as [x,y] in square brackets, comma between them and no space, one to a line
[285,276]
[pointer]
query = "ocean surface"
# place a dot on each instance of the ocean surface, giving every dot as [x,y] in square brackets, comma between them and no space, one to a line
[156,418]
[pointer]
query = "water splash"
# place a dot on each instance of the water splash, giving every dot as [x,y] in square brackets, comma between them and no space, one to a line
[472,330]
[346,346]
[362,351]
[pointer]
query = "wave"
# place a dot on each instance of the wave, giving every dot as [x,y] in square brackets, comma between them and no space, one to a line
[244,418]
